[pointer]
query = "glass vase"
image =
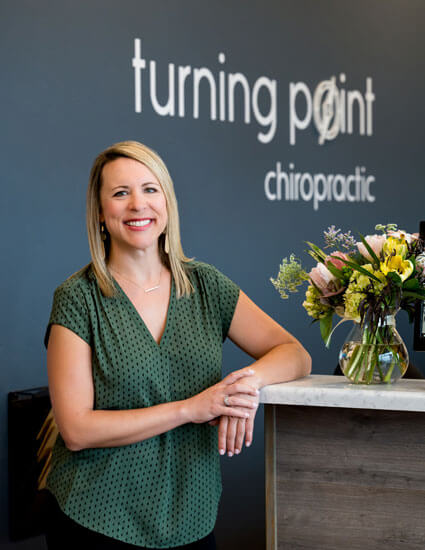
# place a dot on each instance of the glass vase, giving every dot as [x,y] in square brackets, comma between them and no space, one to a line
[374,354]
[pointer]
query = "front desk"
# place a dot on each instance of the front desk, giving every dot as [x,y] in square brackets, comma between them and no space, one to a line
[345,465]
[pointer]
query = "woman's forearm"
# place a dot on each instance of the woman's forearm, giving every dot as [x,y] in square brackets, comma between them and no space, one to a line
[282,363]
[104,428]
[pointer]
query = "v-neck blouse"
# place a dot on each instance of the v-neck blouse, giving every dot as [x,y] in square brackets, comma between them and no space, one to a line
[139,318]
[163,491]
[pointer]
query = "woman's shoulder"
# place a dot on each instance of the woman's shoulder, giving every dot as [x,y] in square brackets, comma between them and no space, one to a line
[201,269]
[209,273]
[197,265]
[80,281]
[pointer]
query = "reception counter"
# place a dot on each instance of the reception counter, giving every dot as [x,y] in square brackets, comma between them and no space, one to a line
[345,465]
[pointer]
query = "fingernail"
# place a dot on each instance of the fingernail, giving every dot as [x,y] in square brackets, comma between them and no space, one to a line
[257,391]
[246,415]
[248,443]
[229,453]
[221,451]
[237,451]
[250,371]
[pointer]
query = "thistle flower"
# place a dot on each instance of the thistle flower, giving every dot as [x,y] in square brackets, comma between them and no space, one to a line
[334,238]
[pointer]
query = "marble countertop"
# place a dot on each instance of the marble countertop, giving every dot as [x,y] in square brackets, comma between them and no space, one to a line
[319,390]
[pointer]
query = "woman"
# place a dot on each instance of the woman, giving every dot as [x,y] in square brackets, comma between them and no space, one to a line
[134,365]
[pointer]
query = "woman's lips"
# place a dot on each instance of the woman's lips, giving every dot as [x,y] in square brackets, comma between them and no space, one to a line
[139,225]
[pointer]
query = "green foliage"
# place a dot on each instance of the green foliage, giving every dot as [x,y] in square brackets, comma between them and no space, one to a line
[366,289]
[290,275]
[386,228]
[395,278]
[361,270]
[316,252]
[326,328]
[411,284]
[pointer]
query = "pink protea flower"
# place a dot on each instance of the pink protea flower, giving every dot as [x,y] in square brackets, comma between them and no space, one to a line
[339,264]
[323,279]
[376,242]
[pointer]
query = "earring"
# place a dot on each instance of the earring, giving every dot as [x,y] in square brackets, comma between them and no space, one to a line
[102,231]
[166,244]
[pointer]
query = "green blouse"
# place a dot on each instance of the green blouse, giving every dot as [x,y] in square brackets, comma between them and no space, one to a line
[164,491]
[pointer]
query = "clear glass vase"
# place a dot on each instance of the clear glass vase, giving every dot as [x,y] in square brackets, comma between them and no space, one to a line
[374,355]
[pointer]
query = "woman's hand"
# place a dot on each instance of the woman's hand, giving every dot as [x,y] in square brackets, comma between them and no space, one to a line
[210,403]
[232,431]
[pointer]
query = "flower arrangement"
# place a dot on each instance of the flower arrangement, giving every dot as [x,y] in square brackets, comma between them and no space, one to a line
[366,281]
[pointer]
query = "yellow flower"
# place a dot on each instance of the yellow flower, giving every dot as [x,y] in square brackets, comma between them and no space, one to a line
[396,264]
[352,301]
[395,247]
[312,304]
[359,282]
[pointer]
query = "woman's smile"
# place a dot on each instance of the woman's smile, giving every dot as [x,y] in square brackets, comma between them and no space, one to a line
[139,225]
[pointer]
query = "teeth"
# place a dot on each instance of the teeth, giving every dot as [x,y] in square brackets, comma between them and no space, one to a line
[139,224]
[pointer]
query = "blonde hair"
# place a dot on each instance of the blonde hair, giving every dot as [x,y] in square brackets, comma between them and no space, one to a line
[175,259]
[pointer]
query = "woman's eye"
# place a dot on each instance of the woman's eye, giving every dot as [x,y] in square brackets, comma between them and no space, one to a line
[150,189]
[120,193]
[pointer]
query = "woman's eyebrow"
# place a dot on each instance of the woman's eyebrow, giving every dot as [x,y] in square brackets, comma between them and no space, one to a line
[123,185]
[118,186]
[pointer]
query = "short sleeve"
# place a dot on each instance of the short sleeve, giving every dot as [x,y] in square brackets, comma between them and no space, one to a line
[70,310]
[228,294]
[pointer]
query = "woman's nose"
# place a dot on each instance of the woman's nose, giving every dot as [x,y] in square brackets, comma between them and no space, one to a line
[137,201]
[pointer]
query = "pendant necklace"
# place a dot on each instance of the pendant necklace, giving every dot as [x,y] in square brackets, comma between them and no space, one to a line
[136,284]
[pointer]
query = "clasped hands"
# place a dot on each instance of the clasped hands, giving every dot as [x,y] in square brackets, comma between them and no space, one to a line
[232,430]
[231,404]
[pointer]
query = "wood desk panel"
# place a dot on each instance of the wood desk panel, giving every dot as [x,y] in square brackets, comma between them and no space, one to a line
[344,478]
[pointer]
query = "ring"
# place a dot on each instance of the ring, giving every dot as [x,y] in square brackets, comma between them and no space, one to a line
[226,401]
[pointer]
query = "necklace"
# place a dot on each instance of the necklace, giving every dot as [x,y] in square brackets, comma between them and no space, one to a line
[136,284]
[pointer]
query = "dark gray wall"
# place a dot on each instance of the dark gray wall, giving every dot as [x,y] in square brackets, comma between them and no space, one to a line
[67,92]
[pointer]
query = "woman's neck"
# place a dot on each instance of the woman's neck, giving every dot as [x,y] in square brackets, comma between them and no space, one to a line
[141,266]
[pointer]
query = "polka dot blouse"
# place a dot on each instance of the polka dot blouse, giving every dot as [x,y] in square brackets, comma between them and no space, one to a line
[163,491]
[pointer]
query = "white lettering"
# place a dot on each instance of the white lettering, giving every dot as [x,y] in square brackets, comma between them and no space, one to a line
[233,79]
[168,108]
[138,64]
[269,119]
[184,72]
[269,176]
[319,179]
[222,89]
[198,75]
[331,108]
[294,121]
[317,188]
